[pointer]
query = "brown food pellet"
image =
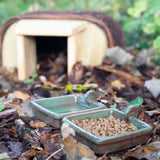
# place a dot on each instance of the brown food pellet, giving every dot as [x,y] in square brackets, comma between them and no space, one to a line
[103,127]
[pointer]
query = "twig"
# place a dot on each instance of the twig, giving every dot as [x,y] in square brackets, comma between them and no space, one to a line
[54,153]
[123,75]
[8,113]
[101,158]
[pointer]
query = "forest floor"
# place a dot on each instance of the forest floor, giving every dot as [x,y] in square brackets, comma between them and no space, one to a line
[23,136]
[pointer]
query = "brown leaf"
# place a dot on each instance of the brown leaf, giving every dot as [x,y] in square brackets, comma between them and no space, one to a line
[77,73]
[30,153]
[6,131]
[148,152]
[11,74]
[21,95]
[150,103]
[51,143]
[146,118]
[37,124]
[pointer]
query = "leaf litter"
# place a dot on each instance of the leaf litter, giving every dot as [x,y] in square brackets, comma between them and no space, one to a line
[24,137]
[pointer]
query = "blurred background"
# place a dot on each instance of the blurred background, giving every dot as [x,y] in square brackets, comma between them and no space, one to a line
[140,19]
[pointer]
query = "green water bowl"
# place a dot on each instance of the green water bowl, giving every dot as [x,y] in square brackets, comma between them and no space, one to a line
[52,110]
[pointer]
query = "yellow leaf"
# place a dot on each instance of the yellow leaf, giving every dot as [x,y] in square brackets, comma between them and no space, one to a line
[68,87]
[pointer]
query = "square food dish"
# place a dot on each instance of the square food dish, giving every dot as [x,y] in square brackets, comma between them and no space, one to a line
[52,110]
[101,145]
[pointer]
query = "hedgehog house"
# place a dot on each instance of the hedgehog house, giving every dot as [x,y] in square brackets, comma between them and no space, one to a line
[85,35]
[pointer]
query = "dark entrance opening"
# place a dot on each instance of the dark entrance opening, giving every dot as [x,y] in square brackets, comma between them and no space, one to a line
[51,55]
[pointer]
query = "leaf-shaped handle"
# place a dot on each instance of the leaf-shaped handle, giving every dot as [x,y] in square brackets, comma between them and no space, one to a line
[136,102]
[131,112]
[90,96]
[132,108]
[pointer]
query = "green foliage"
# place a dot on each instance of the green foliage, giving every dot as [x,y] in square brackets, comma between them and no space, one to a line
[144,18]
[140,19]
[10,8]
[157,43]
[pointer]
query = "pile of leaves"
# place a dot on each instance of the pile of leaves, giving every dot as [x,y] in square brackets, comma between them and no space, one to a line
[22,136]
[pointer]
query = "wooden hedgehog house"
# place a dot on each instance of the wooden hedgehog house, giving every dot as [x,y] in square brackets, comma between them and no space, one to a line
[87,35]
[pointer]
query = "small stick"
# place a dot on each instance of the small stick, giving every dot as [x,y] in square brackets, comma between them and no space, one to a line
[123,75]
[54,153]
[8,113]
[101,158]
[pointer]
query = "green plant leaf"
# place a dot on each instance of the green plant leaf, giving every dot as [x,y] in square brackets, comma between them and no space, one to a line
[35,75]
[20,115]
[29,80]
[2,107]
[134,12]
[130,26]
[141,6]
[114,106]
[157,19]
[29,130]
[156,44]
[80,88]
[150,28]
[115,158]
[136,102]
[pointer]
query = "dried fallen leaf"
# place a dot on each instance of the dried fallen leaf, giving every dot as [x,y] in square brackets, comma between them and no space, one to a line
[77,73]
[148,152]
[22,95]
[117,83]
[51,144]
[146,118]
[29,153]
[37,124]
